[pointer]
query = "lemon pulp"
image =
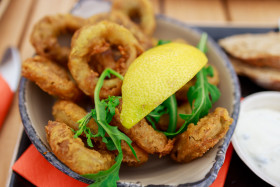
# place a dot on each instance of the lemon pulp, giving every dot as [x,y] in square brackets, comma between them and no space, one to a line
[154,76]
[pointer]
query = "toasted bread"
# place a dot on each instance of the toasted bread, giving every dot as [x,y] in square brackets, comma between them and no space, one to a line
[256,49]
[265,77]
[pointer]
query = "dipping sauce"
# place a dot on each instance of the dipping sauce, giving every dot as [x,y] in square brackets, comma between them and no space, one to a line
[258,132]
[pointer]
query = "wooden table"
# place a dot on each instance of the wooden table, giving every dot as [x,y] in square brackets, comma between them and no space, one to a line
[19,17]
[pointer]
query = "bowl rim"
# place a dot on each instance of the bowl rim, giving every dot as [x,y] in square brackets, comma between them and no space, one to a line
[245,157]
[220,157]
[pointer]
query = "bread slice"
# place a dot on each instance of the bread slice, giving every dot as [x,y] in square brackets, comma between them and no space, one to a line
[255,49]
[265,77]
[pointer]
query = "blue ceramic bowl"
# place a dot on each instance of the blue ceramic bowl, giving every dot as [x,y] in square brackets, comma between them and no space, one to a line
[35,109]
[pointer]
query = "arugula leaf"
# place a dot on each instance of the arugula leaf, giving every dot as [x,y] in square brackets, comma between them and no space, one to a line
[84,129]
[161,42]
[154,116]
[201,96]
[169,106]
[103,114]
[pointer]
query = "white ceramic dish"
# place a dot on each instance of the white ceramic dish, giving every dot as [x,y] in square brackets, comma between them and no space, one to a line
[260,100]
[35,108]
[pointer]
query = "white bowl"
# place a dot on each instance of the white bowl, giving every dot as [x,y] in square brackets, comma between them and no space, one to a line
[35,109]
[261,100]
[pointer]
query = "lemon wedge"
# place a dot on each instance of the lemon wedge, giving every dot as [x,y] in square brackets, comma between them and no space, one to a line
[154,76]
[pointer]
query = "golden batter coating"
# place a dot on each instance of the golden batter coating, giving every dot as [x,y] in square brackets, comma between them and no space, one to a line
[69,113]
[72,152]
[50,77]
[140,12]
[122,19]
[96,39]
[198,139]
[145,136]
[128,157]
[44,36]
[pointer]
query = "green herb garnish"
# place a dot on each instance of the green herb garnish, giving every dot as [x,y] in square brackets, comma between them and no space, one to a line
[102,114]
[201,96]
[161,42]
[169,106]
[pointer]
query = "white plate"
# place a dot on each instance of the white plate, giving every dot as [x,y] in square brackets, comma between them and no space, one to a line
[261,100]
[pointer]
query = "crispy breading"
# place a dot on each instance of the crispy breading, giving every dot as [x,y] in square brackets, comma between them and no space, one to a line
[69,113]
[72,152]
[130,159]
[140,12]
[198,139]
[51,78]
[144,135]
[120,18]
[45,35]
[95,39]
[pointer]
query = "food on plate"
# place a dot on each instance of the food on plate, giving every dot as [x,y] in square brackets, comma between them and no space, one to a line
[144,135]
[182,92]
[129,158]
[198,139]
[146,99]
[72,151]
[45,35]
[121,19]
[256,56]
[51,77]
[70,113]
[95,39]
[146,85]
[183,107]
[140,12]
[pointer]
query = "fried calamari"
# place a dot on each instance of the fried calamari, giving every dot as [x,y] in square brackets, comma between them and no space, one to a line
[144,135]
[69,113]
[72,152]
[51,78]
[121,19]
[45,35]
[95,39]
[139,11]
[198,139]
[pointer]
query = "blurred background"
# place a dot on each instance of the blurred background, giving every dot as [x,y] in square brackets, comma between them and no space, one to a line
[17,18]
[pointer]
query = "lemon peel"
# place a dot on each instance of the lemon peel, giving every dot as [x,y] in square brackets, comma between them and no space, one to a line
[154,76]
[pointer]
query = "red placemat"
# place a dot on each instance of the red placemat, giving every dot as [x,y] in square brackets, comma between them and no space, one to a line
[36,169]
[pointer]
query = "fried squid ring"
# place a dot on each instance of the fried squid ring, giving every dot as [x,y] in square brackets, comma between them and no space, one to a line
[92,40]
[121,19]
[51,78]
[45,33]
[198,139]
[144,135]
[72,152]
[139,11]
[69,113]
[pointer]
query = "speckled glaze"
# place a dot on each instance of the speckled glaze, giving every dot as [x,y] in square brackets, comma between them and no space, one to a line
[35,109]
